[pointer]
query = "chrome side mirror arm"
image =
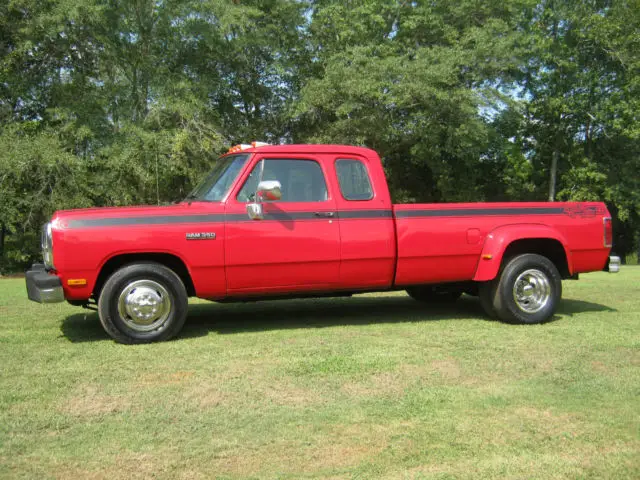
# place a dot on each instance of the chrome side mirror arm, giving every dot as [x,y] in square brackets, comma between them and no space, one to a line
[255,211]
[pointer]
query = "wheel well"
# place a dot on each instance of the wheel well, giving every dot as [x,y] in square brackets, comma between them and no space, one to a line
[166,259]
[547,247]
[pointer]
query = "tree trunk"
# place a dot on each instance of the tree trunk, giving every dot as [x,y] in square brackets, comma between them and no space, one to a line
[587,142]
[552,175]
[2,231]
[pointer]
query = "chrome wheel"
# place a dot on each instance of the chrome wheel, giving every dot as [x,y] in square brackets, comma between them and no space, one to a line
[531,291]
[144,305]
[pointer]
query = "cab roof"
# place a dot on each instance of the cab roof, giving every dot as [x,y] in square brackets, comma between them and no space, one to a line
[301,148]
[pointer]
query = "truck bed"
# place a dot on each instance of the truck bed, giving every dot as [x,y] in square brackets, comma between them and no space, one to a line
[444,242]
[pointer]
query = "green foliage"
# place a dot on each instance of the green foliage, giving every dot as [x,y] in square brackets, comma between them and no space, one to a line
[583,77]
[113,103]
[409,79]
[37,177]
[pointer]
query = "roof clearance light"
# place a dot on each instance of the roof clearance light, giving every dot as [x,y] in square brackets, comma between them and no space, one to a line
[244,146]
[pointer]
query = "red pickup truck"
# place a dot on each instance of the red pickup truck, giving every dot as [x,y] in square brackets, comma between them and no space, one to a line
[311,220]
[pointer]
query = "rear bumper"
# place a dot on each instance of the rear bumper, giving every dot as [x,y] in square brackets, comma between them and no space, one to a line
[42,287]
[613,264]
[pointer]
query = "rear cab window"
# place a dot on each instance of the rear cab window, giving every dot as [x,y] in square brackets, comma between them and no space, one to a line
[354,180]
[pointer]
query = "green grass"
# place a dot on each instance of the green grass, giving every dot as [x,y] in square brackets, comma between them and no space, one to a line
[368,387]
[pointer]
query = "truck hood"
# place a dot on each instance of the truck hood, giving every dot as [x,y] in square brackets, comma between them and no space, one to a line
[150,214]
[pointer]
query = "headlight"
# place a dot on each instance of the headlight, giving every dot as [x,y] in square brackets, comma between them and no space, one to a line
[47,246]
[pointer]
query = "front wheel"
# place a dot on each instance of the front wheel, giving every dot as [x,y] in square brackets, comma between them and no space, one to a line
[143,303]
[527,291]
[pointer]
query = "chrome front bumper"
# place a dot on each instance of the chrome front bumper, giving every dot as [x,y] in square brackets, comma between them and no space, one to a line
[613,264]
[42,287]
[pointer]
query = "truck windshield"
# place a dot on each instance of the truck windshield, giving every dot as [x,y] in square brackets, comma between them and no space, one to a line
[215,185]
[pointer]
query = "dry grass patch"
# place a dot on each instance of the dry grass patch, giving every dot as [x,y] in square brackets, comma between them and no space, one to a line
[447,372]
[125,466]
[206,394]
[573,461]
[524,424]
[447,368]
[546,423]
[165,378]
[376,385]
[286,394]
[210,393]
[89,401]
[319,454]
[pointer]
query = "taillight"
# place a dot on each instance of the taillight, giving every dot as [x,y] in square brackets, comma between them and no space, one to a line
[608,232]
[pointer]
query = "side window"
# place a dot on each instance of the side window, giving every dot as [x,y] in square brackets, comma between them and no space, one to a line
[248,191]
[301,180]
[354,180]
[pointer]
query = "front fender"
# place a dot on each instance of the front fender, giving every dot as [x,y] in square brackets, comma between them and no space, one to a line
[499,239]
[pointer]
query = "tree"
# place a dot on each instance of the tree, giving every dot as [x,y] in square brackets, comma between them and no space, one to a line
[412,79]
[37,177]
[581,83]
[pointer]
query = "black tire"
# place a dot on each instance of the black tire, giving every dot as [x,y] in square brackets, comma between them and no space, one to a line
[150,281]
[434,294]
[535,273]
[486,293]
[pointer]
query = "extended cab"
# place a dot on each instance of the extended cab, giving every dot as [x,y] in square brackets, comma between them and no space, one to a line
[306,220]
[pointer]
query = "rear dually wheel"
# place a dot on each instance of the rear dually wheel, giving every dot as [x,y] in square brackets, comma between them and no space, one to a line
[527,290]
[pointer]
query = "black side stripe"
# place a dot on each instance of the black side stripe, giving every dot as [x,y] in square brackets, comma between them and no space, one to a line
[220,218]
[292,216]
[473,212]
[279,216]
[150,220]
[348,214]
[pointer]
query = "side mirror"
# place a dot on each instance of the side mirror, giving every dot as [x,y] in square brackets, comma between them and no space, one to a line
[254,210]
[269,190]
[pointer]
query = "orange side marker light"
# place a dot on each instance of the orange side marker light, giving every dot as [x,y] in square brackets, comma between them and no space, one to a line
[487,256]
[77,282]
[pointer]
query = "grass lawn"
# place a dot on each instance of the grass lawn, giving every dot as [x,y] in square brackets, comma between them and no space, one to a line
[367,387]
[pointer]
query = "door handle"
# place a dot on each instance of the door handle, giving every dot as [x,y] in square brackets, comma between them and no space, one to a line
[324,214]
